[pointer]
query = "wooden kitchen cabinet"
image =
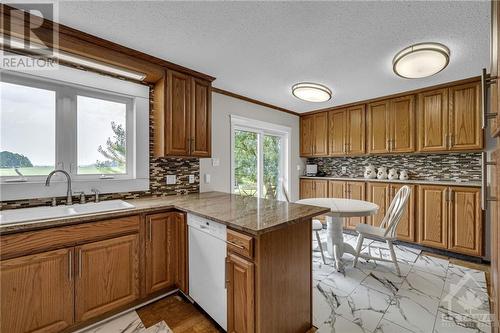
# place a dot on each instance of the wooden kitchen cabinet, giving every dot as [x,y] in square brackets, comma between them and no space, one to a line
[37,292]
[465,226]
[450,218]
[346,131]
[382,194]
[433,216]
[450,119]
[348,190]
[161,251]
[182,116]
[465,117]
[314,135]
[181,240]
[313,188]
[391,126]
[240,294]
[107,276]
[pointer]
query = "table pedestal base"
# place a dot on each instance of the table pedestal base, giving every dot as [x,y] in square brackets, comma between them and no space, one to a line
[335,241]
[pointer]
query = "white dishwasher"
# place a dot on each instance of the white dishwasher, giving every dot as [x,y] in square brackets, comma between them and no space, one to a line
[207,267]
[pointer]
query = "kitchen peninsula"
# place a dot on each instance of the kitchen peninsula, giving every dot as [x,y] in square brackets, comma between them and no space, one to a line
[95,265]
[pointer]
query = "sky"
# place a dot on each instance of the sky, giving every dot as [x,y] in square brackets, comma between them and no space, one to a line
[27,124]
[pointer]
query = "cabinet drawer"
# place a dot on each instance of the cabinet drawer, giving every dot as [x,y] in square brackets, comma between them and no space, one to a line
[239,243]
[53,238]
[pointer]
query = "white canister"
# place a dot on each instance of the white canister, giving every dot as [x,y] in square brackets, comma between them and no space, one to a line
[370,172]
[393,174]
[403,175]
[382,173]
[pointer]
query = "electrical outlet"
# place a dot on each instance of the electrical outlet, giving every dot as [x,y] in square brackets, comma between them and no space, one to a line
[191,179]
[207,178]
[344,169]
[171,179]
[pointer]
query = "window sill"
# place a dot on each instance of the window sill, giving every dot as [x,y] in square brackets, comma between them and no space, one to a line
[37,189]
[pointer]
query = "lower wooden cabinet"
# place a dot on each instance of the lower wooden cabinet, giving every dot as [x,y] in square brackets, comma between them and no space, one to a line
[181,240]
[382,194]
[240,294]
[107,276]
[348,190]
[313,188]
[37,292]
[161,251]
[450,218]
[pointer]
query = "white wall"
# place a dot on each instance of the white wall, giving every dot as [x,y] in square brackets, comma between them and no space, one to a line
[222,107]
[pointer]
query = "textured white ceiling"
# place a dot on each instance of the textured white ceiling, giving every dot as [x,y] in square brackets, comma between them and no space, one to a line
[260,49]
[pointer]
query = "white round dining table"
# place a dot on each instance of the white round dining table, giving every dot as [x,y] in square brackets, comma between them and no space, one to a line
[339,209]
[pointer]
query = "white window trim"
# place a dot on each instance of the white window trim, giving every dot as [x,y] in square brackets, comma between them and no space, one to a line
[242,123]
[137,177]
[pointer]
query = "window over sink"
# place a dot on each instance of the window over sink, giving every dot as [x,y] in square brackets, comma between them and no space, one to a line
[94,127]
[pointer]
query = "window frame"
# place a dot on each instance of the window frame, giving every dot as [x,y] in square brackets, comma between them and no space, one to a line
[66,126]
[261,129]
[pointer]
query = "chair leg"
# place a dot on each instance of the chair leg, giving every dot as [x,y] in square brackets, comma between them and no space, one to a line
[358,249]
[393,257]
[320,246]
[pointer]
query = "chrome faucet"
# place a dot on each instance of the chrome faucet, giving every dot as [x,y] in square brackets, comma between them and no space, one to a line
[69,194]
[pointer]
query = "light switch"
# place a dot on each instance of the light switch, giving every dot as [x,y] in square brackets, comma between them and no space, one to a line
[207,178]
[215,161]
[171,179]
[191,179]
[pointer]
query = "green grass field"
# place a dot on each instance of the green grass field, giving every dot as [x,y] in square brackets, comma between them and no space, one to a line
[45,170]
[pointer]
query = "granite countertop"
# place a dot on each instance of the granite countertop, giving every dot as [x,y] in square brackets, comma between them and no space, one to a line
[446,182]
[252,215]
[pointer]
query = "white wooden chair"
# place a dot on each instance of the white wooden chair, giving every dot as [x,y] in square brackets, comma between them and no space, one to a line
[317,226]
[387,229]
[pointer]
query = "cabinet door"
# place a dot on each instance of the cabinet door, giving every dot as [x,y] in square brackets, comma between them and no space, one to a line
[306,188]
[402,125]
[378,193]
[37,292]
[177,115]
[378,127]
[108,276]
[406,227]
[181,276]
[336,189]
[433,120]
[465,117]
[355,190]
[465,221]
[320,188]
[320,134]
[201,118]
[161,251]
[433,216]
[306,132]
[240,295]
[337,132]
[356,125]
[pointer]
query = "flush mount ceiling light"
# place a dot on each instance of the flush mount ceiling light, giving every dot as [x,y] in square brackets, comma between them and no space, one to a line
[311,92]
[421,60]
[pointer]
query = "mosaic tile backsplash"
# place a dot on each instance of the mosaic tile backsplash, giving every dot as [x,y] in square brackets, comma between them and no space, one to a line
[158,169]
[456,166]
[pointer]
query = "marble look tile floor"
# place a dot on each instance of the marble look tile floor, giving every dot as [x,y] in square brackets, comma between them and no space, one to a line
[127,323]
[431,295]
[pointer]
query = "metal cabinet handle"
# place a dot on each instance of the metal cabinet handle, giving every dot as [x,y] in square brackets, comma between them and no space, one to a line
[236,245]
[486,81]
[70,265]
[484,181]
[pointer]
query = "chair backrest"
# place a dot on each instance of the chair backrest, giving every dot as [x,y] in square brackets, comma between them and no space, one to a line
[395,212]
[285,192]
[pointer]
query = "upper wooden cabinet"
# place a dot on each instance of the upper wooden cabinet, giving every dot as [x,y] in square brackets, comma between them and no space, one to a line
[391,126]
[449,119]
[346,131]
[182,116]
[37,292]
[314,135]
